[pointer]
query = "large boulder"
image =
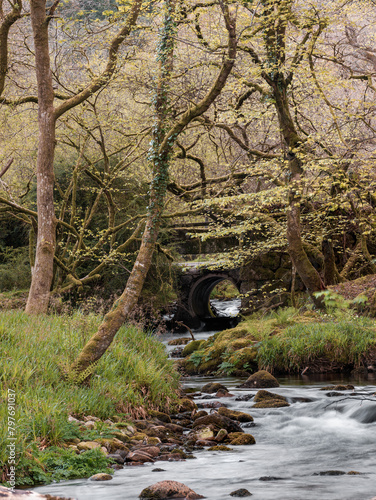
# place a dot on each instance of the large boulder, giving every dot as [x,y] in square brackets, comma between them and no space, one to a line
[261,380]
[169,489]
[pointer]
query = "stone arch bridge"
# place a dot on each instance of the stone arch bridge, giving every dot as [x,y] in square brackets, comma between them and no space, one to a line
[196,282]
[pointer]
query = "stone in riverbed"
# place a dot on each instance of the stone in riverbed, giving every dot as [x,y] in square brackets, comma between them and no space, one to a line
[217,422]
[101,477]
[241,439]
[186,404]
[221,436]
[266,399]
[235,415]
[163,417]
[179,341]
[213,387]
[242,492]
[139,456]
[330,473]
[260,380]
[169,489]
[339,387]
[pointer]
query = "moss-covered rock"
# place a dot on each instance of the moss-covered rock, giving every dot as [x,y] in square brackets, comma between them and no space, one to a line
[220,447]
[235,415]
[191,347]
[186,404]
[163,417]
[261,379]
[266,399]
[244,439]
[213,387]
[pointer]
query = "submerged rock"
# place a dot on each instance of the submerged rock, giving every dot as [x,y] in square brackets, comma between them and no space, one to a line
[261,379]
[266,399]
[242,492]
[169,489]
[330,473]
[339,387]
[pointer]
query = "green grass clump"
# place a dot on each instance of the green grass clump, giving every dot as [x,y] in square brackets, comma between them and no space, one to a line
[340,343]
[133,376]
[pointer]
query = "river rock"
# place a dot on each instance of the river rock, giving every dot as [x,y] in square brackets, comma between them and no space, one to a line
[139,456]
[153,451]
[242,492]
[217,422]
[213,387]
[88,445]
[101,477]
[235,415]
[204,433]
[239,439]
[179,341]
[186,404]
[222,393]
[221,436]
[339,387]
[163,417]
[265,399]
[6,494]
[169,489]
[260,380]
[201,413]
[117,458]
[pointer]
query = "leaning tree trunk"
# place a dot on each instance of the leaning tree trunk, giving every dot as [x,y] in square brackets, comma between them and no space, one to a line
[162,145]
[46,240]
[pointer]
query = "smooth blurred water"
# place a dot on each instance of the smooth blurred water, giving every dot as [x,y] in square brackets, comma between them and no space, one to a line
[293,446]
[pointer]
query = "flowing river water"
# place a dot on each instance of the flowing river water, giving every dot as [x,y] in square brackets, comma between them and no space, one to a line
[304,451]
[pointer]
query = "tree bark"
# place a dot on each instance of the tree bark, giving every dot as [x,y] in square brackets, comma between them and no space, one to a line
[46,240]
[162,144]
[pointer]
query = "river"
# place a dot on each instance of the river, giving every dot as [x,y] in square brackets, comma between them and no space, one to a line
[295,448]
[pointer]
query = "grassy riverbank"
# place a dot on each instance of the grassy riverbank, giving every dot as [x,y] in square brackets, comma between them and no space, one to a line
[133,377]
[288,342]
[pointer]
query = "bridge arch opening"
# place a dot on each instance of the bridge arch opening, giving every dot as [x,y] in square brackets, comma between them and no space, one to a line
[200,295]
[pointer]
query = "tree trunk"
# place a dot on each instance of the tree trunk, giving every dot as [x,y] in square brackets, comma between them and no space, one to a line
[46,240]
[331,274]
[161,148]
[301,262]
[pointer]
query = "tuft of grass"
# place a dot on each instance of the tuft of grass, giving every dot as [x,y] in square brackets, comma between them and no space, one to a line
[346,342]
[134,376]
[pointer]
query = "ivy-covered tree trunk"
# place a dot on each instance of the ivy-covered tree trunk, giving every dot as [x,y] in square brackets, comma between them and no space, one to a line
[164,139]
